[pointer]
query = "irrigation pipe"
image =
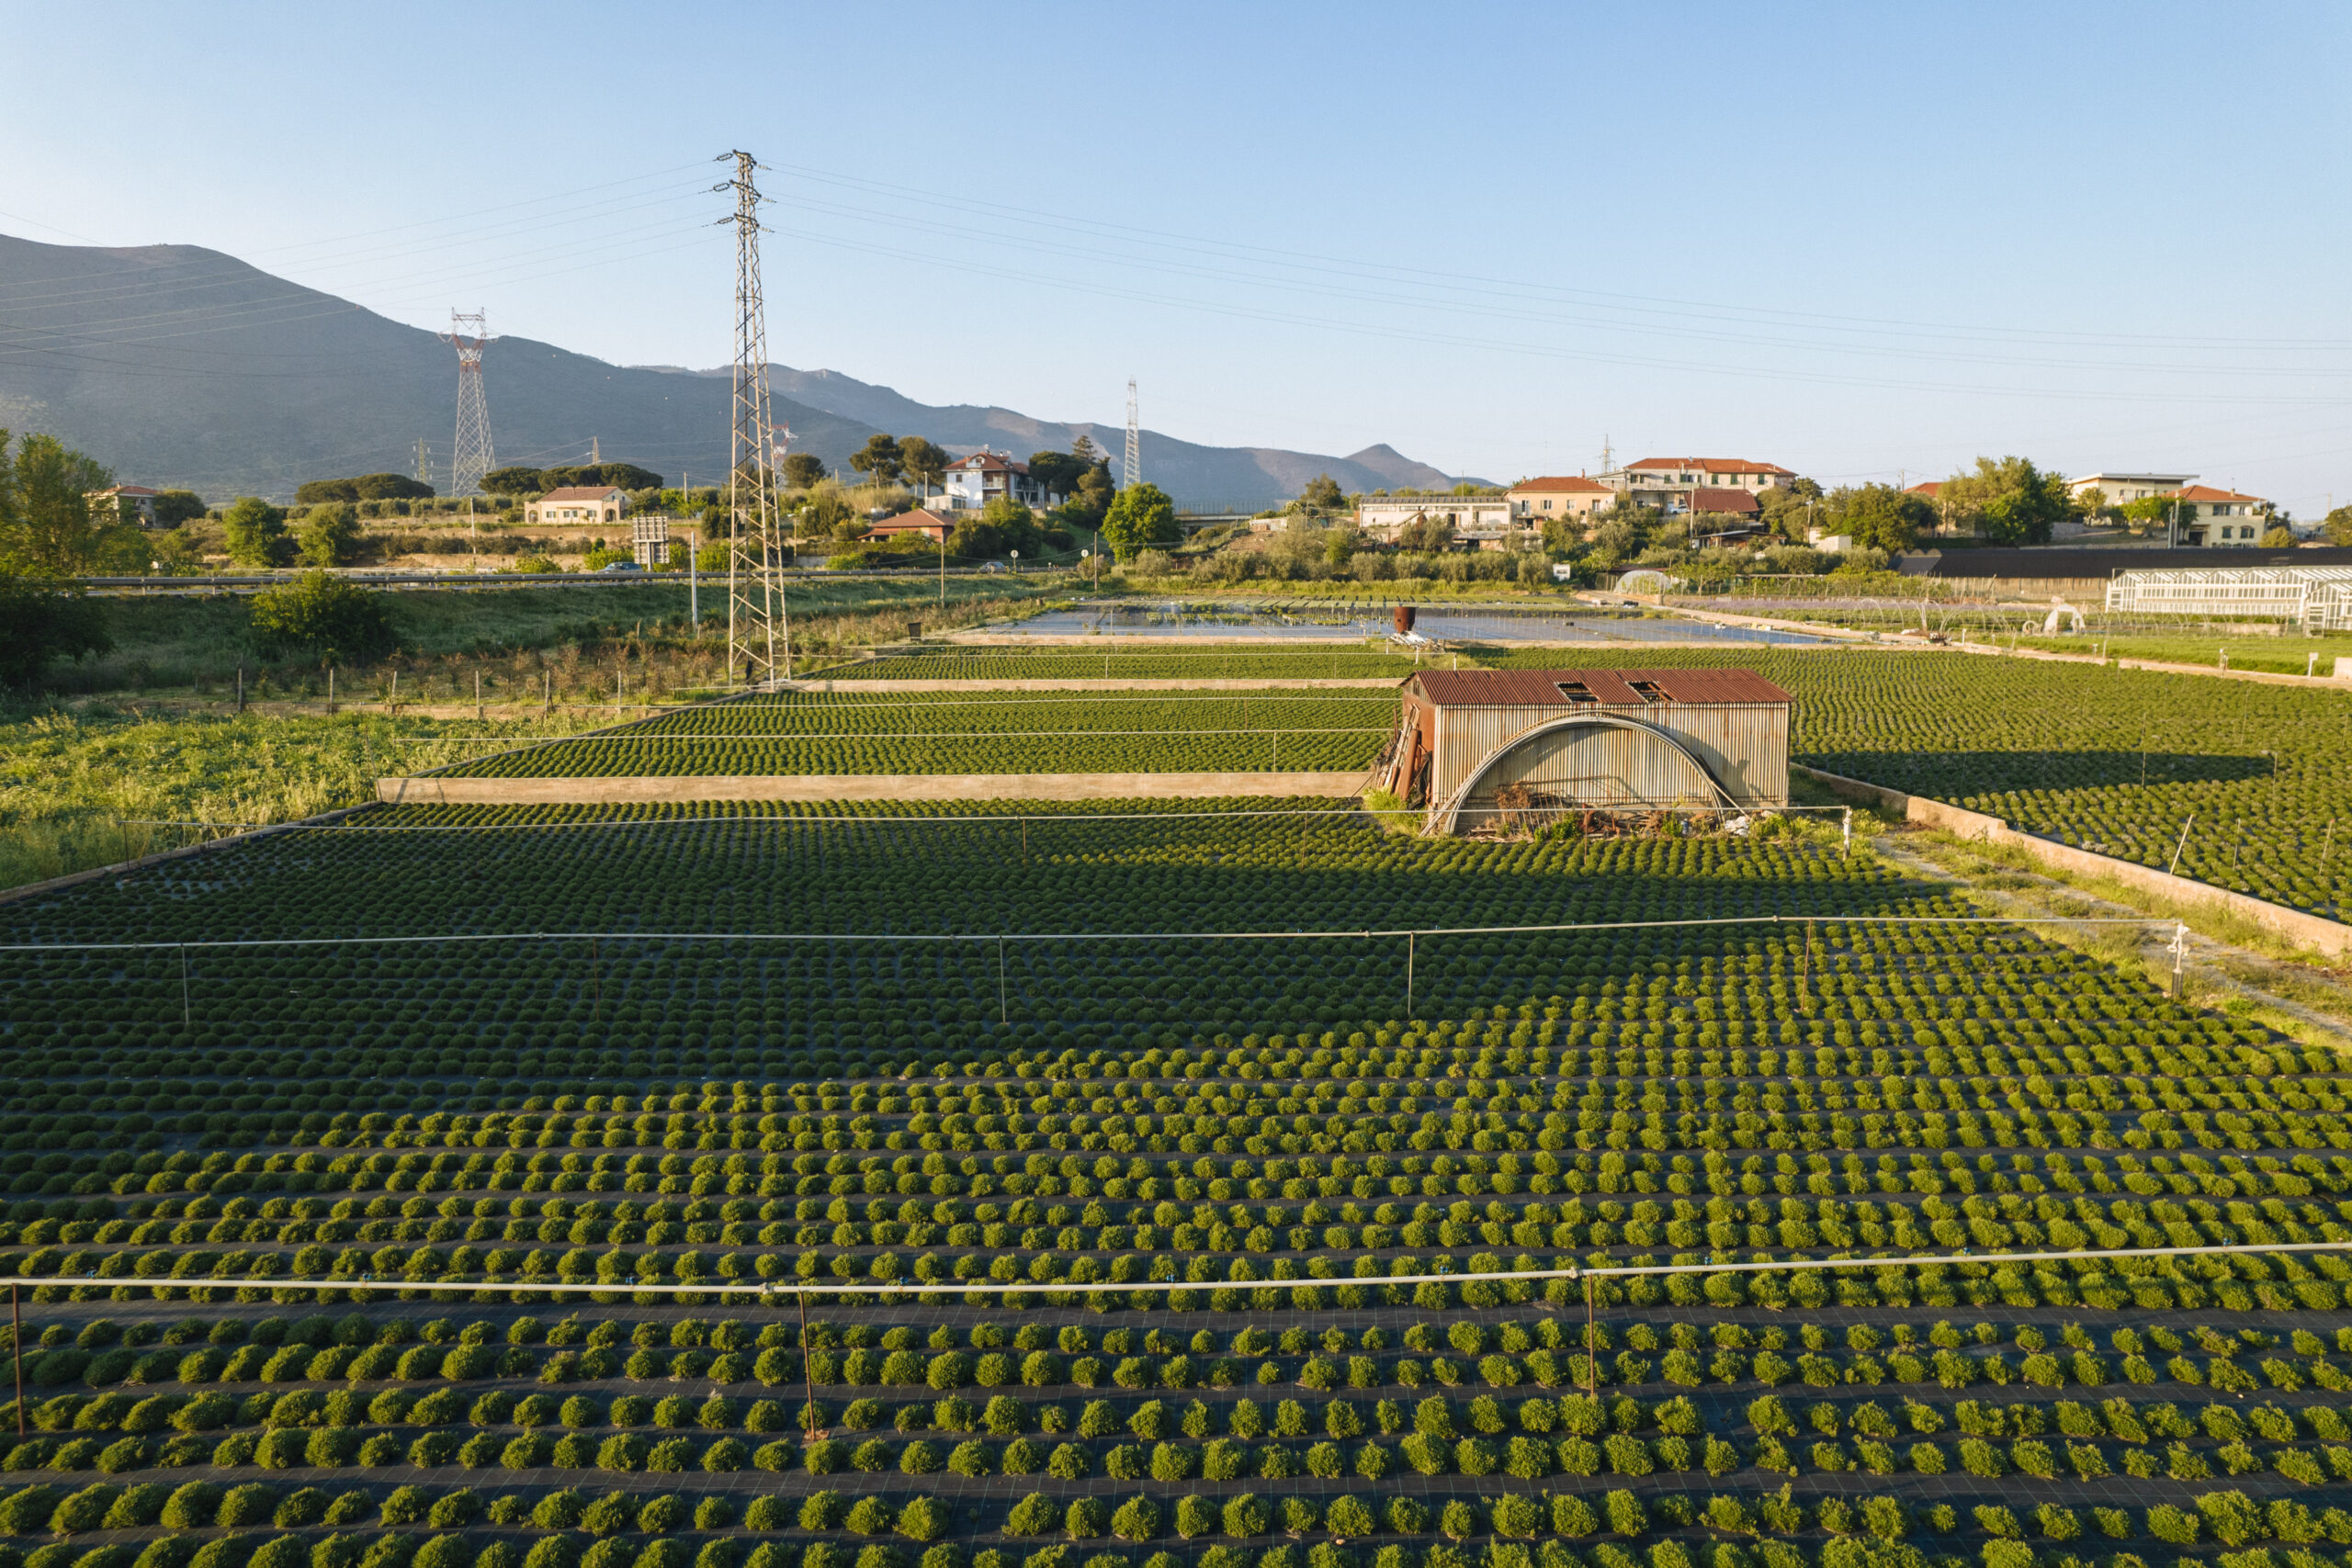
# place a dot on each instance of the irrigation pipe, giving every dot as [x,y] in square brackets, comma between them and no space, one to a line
[784,820]
[1358,935]
[770,1290]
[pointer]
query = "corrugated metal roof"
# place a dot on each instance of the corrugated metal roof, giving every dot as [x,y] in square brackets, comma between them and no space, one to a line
[1541,688]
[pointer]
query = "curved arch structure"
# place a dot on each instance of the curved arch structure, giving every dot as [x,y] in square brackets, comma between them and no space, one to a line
[1444,818]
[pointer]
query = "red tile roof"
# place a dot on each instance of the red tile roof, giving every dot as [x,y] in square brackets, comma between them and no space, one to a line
[1739,501]
[921,518]
[1712,465]
[1541,688]
[2207,492]
[1929,487]
[984,462]
[1576,483]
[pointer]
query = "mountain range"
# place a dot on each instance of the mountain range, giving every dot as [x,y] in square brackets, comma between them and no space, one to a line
[182,367]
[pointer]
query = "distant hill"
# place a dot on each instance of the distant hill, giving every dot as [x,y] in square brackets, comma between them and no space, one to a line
[179,366]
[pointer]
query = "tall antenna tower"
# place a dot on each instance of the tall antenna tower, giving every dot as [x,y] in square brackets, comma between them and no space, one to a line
[471,457]
[424,463]
[1133,471]
[754,602]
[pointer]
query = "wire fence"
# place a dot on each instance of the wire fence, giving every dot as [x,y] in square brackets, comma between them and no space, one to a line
[770,1290]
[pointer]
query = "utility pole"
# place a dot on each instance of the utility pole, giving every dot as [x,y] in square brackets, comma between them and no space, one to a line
[472,457]
[753,605]
[595,453]
[424,463]
[1132,473]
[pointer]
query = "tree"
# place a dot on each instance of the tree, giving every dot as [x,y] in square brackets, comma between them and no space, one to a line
[802,470]
[515,479]
[41,620]
[880,458]
[1140,517]
[1879,516]
[2338,524]
[177,506]
[2278,537]
[1056,473]
[329,535]
[1322,494]
[368,487]
[47,528]
[257,533]
[619,476]
[2149,511]
[1783,509]
[1340,542]
[323,615]
[2009,500]
[924,460]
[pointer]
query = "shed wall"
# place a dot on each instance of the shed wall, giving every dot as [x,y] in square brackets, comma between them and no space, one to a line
[1746,746]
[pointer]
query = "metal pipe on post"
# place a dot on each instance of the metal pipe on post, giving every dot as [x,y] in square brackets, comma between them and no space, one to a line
[809,1380]
[17,1350]
[1591,1352]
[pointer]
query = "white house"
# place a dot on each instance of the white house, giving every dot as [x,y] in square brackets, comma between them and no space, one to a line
[580,503]
[1479,519]
[972,483]
[2119,490]
[1681,484]
[104,502]
[2210,516]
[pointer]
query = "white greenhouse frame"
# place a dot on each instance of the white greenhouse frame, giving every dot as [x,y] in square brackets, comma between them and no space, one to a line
[2317,598]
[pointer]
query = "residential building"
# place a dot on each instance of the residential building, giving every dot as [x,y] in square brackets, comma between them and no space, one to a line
[141,499]
[1676,484]
[921,520]
[972,483]
[1479,519]
[2119,490]
[2210,516]
[579,504]
[1537,502]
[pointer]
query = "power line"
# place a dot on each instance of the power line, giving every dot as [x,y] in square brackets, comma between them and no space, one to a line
[753,598]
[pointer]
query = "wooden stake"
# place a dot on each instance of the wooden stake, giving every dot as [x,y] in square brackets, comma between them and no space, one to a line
[1591,1353]
[16,1339]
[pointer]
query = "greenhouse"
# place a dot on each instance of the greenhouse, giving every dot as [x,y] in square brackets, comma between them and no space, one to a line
[2317,598]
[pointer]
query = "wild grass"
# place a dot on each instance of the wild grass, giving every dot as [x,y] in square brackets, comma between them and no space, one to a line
[195,645]
[87,787]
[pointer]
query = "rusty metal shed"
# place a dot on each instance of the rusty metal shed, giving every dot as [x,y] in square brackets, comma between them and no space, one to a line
[1570,739]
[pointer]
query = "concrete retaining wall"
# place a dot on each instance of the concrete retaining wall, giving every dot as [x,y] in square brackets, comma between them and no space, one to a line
[434,791]
[2329,937]
[1078,683]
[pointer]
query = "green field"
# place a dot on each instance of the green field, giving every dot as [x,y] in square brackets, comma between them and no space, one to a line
[979,732]
[720,1045]
[2118,761]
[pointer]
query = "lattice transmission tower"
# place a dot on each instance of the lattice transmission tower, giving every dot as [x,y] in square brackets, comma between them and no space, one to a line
[1133,470]
[755,604]
[472,457]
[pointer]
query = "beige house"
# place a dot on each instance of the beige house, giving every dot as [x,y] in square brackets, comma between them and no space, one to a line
[2210,516]
[1534,502]
[579,504]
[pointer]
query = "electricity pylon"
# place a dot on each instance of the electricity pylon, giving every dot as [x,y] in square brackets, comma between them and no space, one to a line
[472,456]
[1133,472]
[755,599]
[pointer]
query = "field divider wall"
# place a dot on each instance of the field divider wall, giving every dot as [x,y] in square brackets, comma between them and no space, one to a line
[1096,684]
[2331,938]
[431,790]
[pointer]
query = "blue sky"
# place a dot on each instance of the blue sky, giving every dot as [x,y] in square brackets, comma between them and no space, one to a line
[1861,241]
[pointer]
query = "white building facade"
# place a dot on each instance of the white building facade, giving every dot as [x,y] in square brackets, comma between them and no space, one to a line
[972,483]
